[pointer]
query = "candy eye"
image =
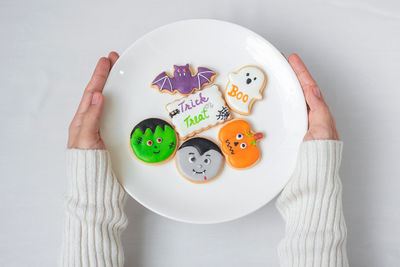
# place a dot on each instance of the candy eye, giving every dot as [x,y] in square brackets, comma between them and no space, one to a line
[247,74]
[255,78]
[192,159]
[184,69]
[207,161]
[239,136]
[179,70]
[243,145]
[159,140]
[149,143]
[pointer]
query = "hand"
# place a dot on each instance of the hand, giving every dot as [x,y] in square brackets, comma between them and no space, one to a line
[321,124]
[84,129]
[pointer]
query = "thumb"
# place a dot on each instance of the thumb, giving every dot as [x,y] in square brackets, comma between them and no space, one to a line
[314,98]
[91,121]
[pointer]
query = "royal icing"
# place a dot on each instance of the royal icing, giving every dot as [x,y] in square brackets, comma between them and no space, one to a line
[239,144]
[198,111]
[199,160]
[153,141]
[244,87]
[183,81]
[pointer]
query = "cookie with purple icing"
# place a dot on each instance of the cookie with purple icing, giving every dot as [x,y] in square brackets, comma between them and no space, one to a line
[183,81]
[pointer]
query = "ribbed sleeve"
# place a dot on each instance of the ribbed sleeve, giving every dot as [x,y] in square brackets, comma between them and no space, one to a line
[311,205]
[94,216]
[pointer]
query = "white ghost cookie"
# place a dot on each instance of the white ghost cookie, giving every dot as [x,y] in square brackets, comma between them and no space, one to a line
[244,87]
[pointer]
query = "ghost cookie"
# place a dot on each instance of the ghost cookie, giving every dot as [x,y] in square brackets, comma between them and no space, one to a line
[239,144]
[244,87]
[199,160]
[153,141]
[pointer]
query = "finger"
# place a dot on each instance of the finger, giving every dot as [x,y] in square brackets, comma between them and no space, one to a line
[96,83]
[100,75]
[83,107]
[91,121]
[85,103]
[306,80]
[113,57]
[310,88]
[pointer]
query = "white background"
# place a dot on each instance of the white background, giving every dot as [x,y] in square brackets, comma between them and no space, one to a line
[49,48]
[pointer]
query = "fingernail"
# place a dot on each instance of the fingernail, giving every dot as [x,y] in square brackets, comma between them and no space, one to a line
[95,98]
[316,91]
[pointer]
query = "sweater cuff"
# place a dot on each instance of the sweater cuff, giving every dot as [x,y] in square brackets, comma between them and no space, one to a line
[94,216]
[90,176]
[311,205]
[317,170]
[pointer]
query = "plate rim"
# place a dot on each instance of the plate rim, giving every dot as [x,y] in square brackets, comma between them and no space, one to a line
[304,116]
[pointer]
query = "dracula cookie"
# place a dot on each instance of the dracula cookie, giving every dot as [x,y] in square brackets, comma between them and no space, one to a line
[183,81]
[244,88]
[198,111]
[199,160]
[239,144]
[153,141]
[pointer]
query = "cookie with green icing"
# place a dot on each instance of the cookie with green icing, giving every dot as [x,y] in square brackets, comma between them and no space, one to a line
[153,141]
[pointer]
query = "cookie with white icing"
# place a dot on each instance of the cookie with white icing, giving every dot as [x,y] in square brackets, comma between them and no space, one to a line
[244,87]
[199,160]
[198,112]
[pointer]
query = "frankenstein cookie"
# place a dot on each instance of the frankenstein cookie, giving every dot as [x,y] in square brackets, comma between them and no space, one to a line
[153,141]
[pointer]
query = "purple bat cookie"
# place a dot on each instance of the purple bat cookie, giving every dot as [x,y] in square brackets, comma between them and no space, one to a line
[183,81]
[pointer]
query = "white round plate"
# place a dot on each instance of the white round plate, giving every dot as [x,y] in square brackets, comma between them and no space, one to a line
[223,47]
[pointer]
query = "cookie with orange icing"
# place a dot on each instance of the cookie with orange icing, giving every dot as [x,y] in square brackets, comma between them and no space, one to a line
[239,144]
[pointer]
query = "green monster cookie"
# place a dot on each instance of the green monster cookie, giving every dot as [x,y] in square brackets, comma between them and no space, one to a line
[153,141]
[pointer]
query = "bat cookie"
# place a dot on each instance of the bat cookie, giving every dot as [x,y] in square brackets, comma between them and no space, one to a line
[153,141]
[183,81]
[239,144]
[244,88]
[199,160]
[198,111]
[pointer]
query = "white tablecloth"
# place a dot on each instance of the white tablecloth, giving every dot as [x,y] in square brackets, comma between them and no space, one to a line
[48,51]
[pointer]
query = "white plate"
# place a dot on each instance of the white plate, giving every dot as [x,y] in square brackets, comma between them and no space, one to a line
[223,47]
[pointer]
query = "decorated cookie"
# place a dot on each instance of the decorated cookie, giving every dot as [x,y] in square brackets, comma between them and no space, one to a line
[183,81]
[199,160]
[244,87]
[198,112]
[239,144]
[153,141]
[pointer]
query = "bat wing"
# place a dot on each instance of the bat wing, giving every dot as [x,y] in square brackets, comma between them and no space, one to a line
[204,75]
[163,82]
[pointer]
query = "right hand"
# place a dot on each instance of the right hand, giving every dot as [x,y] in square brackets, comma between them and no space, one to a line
[321,124]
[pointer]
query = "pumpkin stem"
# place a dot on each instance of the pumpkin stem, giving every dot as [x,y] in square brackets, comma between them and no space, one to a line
[258,136]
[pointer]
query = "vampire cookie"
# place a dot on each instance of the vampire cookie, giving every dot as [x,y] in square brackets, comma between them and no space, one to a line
[199,160]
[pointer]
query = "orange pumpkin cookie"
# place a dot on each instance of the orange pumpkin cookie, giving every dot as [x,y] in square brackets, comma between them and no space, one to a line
[239,144]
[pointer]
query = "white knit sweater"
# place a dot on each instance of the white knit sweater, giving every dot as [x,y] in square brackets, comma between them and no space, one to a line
[311,205]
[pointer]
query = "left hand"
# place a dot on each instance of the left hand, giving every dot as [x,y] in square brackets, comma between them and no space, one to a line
[84,129]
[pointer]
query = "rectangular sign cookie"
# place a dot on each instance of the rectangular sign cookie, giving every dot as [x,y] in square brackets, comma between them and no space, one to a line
[198,112]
